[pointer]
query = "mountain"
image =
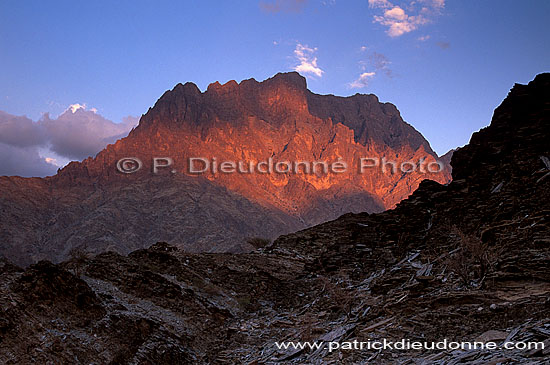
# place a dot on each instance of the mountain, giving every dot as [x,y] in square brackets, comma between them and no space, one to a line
[466,261]
[446,158]
[93,206]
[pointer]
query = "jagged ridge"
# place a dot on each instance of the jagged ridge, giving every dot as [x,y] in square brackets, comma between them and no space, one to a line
[361,277]
[92,204]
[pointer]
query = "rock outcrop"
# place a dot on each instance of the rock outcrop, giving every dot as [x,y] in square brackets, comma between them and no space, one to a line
[93,204]
[467,261]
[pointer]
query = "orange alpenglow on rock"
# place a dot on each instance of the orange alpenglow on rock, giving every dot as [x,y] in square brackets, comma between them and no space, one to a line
[278,119]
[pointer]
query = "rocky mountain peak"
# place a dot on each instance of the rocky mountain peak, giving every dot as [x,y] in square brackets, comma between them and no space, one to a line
[465,263]
[186,105]
[290,79]
[513,116]
[247,122]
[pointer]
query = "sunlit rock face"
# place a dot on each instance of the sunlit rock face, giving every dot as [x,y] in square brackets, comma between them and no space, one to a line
[472,255]
[275,121]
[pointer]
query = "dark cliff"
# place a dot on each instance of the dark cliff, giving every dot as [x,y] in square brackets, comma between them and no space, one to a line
[467,261]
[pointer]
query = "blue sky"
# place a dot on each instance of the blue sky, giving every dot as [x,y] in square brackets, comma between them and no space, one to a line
[445,64]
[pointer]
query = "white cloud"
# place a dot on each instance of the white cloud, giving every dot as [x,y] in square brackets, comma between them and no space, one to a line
[308,61]
[424,38]
[52,161]
[362,81]
[395,13]
[398,22]
[74,107]
[396,19]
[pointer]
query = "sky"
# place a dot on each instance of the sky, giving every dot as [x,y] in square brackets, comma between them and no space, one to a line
[445,64]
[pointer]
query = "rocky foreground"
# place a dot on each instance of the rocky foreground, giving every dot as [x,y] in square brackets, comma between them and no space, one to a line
[464,261]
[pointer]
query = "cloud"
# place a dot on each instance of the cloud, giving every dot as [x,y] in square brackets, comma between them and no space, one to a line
[24,161]
[378,61]
[74,107]
[438,4]
[77,135]
[51,161]
[381,63]
[285,6]
[379,4]
[362,81]
[31,148]
[398,22]
[308,62]
[20,131]
[424,38]
[443,45]
[396,19]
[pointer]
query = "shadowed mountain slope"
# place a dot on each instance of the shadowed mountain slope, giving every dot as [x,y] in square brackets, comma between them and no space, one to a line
[94,206]
[467,261]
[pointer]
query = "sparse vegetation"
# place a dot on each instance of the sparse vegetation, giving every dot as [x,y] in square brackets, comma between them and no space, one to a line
[258,242]
[308,326]
[245,302]
[474,259]
[77,259]
[341,298]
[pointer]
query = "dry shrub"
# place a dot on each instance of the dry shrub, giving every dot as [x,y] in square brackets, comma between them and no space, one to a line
[258,242]
[77,258]
[474,258]
[308,324]
[341,298]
